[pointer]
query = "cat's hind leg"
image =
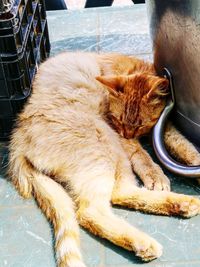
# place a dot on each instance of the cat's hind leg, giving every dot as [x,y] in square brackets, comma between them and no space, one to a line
[149,172]
[157,202]
[95,214]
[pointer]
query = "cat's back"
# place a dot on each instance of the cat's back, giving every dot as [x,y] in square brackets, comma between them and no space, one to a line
[65,69]
[65,84]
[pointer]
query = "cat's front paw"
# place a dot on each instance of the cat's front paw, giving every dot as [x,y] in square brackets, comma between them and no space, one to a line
[185,206]
[148,249]
[159,182]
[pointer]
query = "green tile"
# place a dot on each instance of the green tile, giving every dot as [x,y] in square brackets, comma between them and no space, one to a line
[26,238]
[9,196]
[92,248]
[74,23]
[74,44]
[131,44]
[123,20]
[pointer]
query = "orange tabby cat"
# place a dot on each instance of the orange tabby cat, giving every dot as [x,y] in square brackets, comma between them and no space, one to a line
[65,153]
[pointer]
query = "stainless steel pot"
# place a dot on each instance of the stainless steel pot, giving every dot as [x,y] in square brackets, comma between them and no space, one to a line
[175,30]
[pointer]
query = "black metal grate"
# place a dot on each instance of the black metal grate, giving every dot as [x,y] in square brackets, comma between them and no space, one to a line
[24,43]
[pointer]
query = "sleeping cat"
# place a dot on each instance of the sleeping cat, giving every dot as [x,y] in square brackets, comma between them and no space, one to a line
[68,150]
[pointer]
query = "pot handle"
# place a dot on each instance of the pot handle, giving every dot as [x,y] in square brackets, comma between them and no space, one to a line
[158,141]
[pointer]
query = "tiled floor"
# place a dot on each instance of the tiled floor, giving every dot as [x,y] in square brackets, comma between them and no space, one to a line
[26,238]
[122,29]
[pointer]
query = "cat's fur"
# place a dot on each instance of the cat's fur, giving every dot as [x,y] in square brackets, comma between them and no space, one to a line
[64,152]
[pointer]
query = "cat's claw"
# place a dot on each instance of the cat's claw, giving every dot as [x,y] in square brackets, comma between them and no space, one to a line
[149,249]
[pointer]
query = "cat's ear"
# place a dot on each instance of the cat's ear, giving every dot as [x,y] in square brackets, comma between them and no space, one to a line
[158,87]
[116,83]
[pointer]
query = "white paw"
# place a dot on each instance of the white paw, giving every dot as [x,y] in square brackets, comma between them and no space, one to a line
[148,249]
[186,206]
[157,182]
[162,183]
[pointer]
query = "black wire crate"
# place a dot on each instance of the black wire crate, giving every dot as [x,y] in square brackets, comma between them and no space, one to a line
[24,43]
[15,26]
[22,70]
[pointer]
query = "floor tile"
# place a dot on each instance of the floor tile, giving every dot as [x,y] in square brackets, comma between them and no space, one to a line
[27,238]
[131,44]
[123,20]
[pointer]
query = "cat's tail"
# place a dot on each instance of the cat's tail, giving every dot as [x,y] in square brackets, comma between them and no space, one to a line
[57,206]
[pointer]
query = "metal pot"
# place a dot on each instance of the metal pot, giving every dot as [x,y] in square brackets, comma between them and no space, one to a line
[175,30]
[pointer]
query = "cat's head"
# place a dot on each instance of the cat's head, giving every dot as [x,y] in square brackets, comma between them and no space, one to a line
[136,102]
